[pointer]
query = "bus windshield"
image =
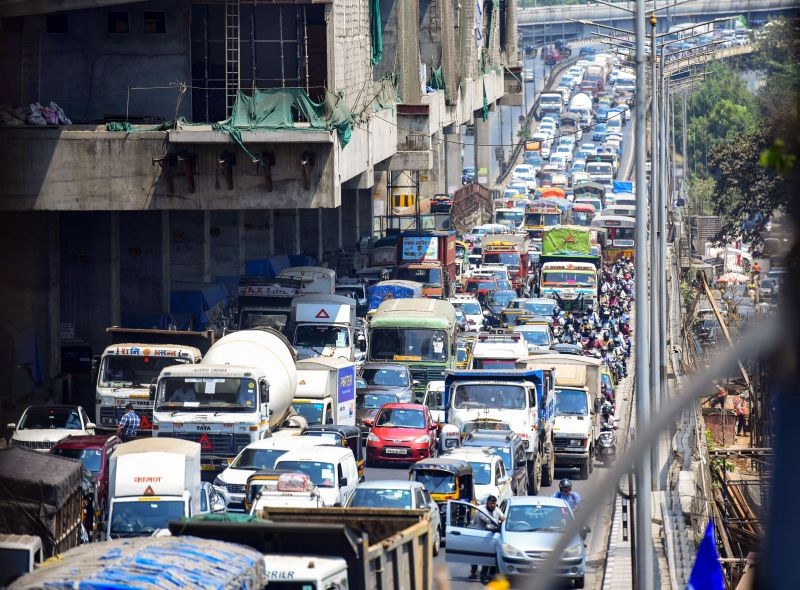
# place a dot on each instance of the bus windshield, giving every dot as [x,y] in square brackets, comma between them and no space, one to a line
[542,219]
[418,344]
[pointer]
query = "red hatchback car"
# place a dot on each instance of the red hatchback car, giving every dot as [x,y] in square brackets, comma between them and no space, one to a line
[402,432]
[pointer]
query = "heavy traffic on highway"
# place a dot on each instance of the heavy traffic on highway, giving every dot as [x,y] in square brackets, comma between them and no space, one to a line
[446,399]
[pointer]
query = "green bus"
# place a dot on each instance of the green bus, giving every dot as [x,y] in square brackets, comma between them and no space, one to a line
[420,333]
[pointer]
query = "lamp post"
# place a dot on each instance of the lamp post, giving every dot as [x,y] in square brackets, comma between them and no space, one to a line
[655,340]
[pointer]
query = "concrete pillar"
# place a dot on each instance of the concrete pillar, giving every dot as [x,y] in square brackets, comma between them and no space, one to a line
[297,235]
[432,181]
[113,269]
[242,243]
[271,241]
[54,293]
[206,241]
[166,261]
[452,158]
[483,152]
[365,213]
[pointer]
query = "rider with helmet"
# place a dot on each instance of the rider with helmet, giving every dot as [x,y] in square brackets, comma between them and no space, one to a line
[565,493]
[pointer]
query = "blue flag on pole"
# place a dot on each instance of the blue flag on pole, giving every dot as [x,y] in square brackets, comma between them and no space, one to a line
[707,570]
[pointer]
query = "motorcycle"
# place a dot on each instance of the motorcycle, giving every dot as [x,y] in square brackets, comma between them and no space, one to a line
[606,447]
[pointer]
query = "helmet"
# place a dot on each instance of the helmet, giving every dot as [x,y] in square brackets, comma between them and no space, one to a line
[565,485]
[605,409]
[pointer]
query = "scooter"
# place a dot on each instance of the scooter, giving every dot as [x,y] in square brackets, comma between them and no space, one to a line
[606,447]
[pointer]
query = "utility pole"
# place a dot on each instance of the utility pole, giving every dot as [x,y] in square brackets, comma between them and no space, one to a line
[664,203]
[644,541]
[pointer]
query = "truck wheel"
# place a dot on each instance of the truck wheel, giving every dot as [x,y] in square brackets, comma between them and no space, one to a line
[535,476]
[584,467]
[549,473]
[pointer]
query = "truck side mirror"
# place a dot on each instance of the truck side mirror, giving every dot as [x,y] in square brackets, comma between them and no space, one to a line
[152,391]
[362,345]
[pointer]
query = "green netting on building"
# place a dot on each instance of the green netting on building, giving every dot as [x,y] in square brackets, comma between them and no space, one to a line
[437,81]
[376,31]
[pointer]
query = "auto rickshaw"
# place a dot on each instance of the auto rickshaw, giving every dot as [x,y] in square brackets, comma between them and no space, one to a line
[344,436]
[464,353]
[258,481]
[445,479]
[508,316]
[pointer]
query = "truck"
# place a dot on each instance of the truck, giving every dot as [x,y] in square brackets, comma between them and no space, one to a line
[326,325]
[126,369]
[420,333]
[182,562]
[326,391]
[240,392]
[323,548]
[153,481]
[498,351]
[428,258]
[519,400]
[581,104]
[576,426]
[569,267]
[550,103]
[42,496]
[265,302]
[19,555]
[510,250]
[313,279]
[596,73]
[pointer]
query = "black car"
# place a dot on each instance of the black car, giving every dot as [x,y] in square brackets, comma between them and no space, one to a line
[511,449]
[467,175]
[586,51]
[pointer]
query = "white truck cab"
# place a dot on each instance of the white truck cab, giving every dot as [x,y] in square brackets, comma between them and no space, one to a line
[309,572]
[498,351]
[332,470]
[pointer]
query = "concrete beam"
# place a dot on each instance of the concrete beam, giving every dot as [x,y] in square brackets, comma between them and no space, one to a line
[203,134]
[417,160]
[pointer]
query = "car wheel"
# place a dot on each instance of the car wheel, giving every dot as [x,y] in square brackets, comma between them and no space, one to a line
[437,541]
[579,582]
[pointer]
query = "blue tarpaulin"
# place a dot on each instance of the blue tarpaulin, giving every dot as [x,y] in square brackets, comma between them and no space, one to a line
[272,266]
[393,290]
[622,186]
[204,302]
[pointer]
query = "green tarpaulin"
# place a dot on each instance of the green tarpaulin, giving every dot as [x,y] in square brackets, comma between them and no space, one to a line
[437,81]
[376,31]
[564,240]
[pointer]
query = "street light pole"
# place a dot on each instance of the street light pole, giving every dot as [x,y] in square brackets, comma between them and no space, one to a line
[664,201]
[644,538]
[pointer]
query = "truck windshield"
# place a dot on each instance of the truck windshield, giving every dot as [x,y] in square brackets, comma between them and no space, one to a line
[418,344]
[134,370]
[313,412]
[257,459]
[427,276]
[138,519]
[193,394]
[92,459]
[569,279]
[542,219]
[320,336]
[254,318]
[478,396]
[321,474]
[510,259]
[571,402]
[582,218]
[502,215]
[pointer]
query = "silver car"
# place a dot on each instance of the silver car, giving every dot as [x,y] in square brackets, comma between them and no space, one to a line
[518,545]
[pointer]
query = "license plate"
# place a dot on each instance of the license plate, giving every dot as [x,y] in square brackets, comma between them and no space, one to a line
[391,451]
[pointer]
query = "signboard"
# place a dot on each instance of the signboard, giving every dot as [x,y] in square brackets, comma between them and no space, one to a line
[403,200]
[323,313]
[268,290]
[346,395]
[420,248]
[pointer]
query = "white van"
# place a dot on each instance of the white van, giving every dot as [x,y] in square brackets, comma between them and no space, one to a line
[332,470]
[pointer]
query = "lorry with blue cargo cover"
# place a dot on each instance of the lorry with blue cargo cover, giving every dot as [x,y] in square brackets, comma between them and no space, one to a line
[517,400]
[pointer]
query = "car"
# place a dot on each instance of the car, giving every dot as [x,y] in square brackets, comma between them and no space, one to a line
[519,545]
[564,348]
[257,456]
[488,473]
[370,399]
[586,51]
[511,449]
[481,286]
[402,432]
[768,290]
[41,426]
[557,163]
[537,336]
[398,493]
[467,175]
[599,132]
[395,375]
[441,203]
[472,309]
[93,451]
[589,149]
[564,150]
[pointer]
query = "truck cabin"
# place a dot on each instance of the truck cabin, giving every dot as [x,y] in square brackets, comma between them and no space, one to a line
[512,217]
[320,338]
[429,276]
[232,392]
[265,302]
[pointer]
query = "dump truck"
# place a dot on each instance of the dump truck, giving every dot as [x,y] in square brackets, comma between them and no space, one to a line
[373,547]
[428,258]
[241,392]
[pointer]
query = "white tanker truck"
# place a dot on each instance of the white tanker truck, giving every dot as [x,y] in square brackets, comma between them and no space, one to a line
[241,392]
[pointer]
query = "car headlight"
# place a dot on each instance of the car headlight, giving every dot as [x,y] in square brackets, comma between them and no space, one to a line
[373,438]
[218,482]
[511,551]
[423,440]
[573,552]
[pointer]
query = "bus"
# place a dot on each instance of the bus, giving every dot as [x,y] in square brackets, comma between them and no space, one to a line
[539,216]
[583,213]
[417,332]
[621,235]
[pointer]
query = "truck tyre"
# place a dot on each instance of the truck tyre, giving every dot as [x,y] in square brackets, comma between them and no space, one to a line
[535,476]
[549,470]
[585,470]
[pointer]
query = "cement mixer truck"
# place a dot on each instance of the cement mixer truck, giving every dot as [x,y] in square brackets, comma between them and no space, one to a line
[241,392]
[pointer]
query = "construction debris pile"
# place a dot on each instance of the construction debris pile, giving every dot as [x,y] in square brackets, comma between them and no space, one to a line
[34,115]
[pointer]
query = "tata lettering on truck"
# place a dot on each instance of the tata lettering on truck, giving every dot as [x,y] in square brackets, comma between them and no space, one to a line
[326,391]
[428,258]
[517,400]
[241,392]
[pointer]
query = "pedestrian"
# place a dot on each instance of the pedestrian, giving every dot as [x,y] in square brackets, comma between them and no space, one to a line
[128,425]
[742,410]
[483,522]
[719,397]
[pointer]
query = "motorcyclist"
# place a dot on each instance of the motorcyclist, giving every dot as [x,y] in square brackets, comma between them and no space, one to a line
[607,419]
[565,493]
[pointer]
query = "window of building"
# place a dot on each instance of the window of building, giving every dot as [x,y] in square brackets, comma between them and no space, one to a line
[155,23]
[57,24]
[118,23]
